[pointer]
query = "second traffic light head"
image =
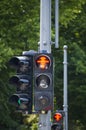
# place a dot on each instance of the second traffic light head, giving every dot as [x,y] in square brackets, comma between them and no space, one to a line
[43,82]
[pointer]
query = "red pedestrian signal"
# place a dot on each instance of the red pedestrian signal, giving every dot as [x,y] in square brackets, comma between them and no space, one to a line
[58,120]
[57,116]
[43,62]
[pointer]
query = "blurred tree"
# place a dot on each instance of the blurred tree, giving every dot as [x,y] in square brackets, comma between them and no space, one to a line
[19,31]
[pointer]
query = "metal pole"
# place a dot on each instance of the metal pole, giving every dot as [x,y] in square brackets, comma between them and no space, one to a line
[44,121]
[65,105]
[56,23]
[45,46]
[45,26]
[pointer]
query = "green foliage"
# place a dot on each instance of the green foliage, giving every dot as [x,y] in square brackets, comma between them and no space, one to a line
[19,31]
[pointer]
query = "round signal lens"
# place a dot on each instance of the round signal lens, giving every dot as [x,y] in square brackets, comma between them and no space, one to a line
[23,84]
[43,81]
[20,82]
[43,62]
[43,101]
[21,63]
[58,116]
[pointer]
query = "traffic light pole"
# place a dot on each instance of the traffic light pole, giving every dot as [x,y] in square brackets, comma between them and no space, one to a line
[56,23]
[65,104]
[45,26]
[44,121]
[45,47]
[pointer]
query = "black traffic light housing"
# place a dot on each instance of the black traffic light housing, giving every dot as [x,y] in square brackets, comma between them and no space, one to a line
[43,82]
[23,80]
[56,126]
[58,120]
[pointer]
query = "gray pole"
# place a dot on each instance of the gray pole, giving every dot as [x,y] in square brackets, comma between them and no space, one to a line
[65,105]
[56,23]
[45,46]
[44,121]
[45,26]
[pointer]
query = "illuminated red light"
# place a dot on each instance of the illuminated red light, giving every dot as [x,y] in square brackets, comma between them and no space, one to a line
[58,116]
[43,62]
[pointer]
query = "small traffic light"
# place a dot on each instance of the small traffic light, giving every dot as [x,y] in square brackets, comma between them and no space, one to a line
[58,117]
[43,82]
[23,80]
[58,120]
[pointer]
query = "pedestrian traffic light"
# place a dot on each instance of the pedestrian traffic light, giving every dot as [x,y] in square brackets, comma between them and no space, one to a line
[58,120]
[57,116]
[43,82]
[23,80]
